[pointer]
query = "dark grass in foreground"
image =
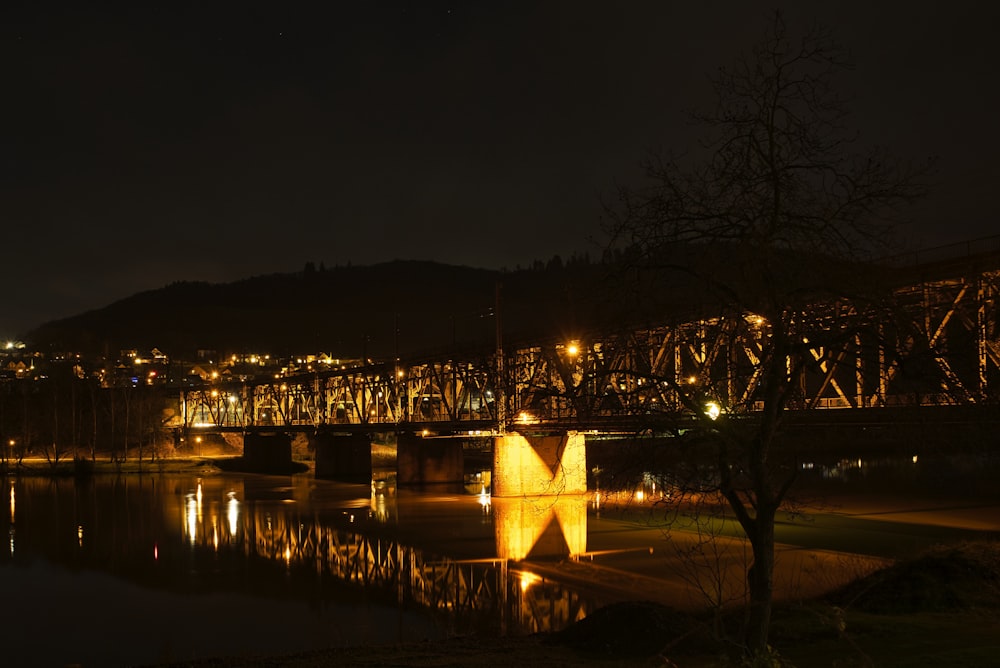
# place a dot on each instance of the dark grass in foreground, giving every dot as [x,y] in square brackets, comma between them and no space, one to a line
[941,608]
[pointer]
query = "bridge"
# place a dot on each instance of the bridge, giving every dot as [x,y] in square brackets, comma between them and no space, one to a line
[938,345]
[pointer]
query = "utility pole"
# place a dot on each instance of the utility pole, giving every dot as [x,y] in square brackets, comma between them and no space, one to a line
[501,398]
[396,372]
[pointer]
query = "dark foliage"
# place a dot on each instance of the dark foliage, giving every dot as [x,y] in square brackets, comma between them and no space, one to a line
[629,629]
[943,579]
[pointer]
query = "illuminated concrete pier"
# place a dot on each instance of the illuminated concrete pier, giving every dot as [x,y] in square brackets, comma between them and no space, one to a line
[539,464]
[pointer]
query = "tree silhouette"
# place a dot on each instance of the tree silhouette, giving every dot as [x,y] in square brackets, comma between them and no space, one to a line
[772,215]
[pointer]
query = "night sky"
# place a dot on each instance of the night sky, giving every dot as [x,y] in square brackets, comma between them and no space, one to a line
[217,141]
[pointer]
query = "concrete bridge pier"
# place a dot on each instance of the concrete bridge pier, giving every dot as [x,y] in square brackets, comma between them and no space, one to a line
[343,457]
[422,460]
[539,464]
[267,451]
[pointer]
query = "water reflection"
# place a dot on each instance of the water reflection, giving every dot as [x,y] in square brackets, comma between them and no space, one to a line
[551,526]
[229,564]
[454,560]
[13,506]
[925,474]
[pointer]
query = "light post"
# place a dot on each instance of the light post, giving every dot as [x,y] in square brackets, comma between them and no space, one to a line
[577,375]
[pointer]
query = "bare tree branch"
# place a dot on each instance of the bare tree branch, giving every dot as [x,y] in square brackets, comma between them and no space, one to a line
[771,217]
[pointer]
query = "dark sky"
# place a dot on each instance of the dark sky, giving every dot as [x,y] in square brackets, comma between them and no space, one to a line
[216,141]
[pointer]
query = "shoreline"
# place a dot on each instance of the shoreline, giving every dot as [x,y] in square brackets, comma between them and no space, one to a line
[39,466]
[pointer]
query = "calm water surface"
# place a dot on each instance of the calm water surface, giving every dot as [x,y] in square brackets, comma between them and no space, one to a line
[126,570]
[133,570]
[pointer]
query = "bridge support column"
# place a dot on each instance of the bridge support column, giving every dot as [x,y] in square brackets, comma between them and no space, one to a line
[343,457]
[539,465]
[422,460]
[267,452]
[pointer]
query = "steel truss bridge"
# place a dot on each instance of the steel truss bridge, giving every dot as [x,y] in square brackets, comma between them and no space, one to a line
[938,344]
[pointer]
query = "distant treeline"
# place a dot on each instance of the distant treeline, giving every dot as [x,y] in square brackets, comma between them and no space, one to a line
[64,416]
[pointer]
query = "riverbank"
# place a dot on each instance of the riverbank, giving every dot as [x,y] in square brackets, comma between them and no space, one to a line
[204,465]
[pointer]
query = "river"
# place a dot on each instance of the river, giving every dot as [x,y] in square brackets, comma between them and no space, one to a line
[115,570]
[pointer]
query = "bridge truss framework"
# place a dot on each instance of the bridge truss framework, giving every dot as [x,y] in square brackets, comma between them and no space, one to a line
[937,343]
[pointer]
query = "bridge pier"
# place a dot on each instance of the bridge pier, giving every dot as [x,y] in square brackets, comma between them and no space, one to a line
[343,457]
[267,452]
[422,460]
[539,464]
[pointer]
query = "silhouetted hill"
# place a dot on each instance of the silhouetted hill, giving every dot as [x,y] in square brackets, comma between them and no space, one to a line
[413,308]
[344,311]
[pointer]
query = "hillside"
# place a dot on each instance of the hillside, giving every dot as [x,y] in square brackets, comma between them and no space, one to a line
[412,308]
[345,311]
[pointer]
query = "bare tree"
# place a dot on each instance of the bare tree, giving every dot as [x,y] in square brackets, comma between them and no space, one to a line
[770,218]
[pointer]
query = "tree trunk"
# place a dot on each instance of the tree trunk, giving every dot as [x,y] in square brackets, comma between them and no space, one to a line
[93,413]
[760,579]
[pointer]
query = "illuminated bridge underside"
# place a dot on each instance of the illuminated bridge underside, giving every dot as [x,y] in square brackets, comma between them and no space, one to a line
[943,339]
